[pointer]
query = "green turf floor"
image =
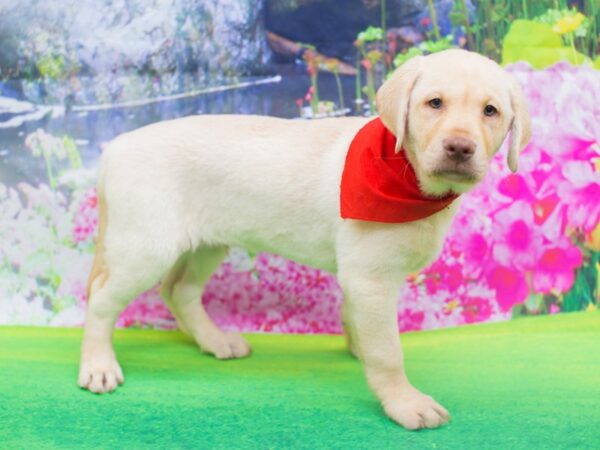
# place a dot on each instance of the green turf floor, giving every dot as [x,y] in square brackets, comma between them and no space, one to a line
[529,383]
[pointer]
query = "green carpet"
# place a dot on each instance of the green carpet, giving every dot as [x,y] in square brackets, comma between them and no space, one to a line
[525,384]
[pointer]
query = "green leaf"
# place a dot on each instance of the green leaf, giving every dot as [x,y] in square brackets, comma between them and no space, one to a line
[401,58]
[518,310]
[370,34]
[437,46]
[537,44]
[51,66]
[534,301]
[72,152]
[582,293]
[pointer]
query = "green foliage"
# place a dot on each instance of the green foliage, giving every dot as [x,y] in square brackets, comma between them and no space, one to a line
[54,151]
[371,45]
[437,46]
[51,66]
[371,34]
[585,289]
[457,14]
[401,58]
[434,22]
[459,17]
[72,152]
[537,44]
[51,57]
[425,48]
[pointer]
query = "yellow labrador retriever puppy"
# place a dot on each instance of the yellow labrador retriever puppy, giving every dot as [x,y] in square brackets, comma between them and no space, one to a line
[175,195]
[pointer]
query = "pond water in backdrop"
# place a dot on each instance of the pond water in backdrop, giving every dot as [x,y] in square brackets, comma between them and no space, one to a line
[273,96]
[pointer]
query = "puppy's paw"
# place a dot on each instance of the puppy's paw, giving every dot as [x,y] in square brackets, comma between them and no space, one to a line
[225,345]
[416,410]
[100,375]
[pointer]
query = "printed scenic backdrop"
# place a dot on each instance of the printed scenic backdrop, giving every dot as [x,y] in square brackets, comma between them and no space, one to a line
[75,74]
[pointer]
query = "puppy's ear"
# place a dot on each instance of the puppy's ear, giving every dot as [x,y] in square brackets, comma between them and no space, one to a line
[520,128]
[393,98]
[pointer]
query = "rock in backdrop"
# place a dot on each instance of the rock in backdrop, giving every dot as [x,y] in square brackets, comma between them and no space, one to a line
[89,51]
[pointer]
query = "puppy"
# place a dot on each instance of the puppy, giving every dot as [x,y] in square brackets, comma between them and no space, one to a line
[174,196]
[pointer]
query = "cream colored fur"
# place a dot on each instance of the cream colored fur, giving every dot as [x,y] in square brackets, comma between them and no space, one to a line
[175,195]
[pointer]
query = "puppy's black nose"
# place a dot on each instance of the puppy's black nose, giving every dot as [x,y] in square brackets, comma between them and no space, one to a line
[459,149]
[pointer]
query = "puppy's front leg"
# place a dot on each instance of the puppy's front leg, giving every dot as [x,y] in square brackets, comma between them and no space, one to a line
[371,315]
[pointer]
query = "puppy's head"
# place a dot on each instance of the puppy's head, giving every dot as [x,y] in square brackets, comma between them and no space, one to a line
[451,111]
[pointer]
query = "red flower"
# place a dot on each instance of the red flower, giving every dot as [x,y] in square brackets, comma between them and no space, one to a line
[392,48]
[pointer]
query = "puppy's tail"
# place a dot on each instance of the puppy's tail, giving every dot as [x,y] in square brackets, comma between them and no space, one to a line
[99,270]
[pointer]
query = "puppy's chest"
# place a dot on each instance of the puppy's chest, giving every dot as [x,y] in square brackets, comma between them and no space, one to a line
[421,253]
[415,247]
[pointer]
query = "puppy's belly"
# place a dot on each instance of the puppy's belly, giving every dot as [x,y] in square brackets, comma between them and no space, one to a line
[315,253]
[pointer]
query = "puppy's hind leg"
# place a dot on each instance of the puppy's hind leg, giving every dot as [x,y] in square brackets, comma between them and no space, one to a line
[182,291]
[111,288]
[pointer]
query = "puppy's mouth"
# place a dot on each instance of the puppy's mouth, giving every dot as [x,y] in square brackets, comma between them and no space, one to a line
[455,175]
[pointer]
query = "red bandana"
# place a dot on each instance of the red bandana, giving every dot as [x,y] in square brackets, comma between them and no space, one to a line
[380,186]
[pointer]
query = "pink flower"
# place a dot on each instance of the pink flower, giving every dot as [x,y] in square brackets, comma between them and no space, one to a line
[515,187]
[510,286]
[475,247]
[476,309]
[451,277]
[86,217]
[277,296]
[411,320]
[581,194]
[309,94]
[518,241]
[542,208]
[469,238]
[147,310]
[556,269]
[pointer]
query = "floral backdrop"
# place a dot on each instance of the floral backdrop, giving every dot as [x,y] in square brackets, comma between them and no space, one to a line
[522,244]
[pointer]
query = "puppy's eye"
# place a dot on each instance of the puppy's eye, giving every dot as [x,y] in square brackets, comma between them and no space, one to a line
[490,111]
[436,103]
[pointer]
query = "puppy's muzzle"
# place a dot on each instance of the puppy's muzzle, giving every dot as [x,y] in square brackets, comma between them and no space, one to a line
[459,149]
[456,162]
